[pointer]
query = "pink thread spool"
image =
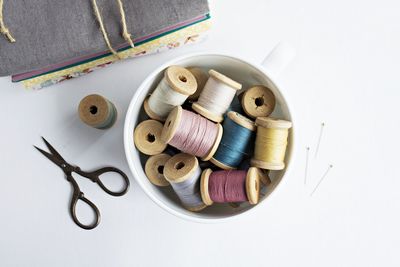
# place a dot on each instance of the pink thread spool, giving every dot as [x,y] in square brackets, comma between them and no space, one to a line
[191,133]
[231,186]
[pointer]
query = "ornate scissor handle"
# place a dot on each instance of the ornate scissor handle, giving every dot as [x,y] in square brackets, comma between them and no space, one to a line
[80,196]
[95,177]
[76,196]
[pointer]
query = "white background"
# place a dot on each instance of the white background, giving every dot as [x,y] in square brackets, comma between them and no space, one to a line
[346,74]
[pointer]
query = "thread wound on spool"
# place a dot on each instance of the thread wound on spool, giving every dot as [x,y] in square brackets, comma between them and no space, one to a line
[236,143]
[271,143]
[98,112]
[154,169]
[258,101]
[191,133]
[216,96]
[147,137]
[230,186]
[183,173]
[175,87]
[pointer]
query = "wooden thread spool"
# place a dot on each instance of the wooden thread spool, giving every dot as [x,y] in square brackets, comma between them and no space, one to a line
[175,87]
[258,101]
[216,96]
[173,124]
[201,79]
[271,143]
[237,138]
[147,137]
[183,173]
[252,185]
[96,111]
[154,169]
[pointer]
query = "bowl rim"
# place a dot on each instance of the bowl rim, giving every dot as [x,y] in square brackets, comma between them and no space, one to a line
[128,134]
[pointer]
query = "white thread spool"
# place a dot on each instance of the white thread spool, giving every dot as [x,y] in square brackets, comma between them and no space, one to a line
[175,87]
[216,96]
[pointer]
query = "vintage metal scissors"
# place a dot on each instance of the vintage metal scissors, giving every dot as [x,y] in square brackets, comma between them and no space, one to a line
[94,176]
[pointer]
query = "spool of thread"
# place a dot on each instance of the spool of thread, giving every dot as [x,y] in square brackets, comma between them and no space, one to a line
[154,169]
[191,133]
[201,79]
[238,136]
[230,186]
[183,173]
[216,96]
[271,143]
[175,87]
[258,101]
[147,137]
[98,112]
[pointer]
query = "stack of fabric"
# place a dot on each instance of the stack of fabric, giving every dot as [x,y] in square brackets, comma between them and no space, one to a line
[58,40]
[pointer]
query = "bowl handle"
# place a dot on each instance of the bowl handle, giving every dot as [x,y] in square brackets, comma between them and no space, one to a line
[278,59]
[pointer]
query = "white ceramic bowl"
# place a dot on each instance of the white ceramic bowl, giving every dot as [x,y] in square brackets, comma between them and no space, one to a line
[240,70]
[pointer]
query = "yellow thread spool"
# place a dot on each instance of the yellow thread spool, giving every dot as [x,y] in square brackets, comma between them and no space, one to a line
[271,143]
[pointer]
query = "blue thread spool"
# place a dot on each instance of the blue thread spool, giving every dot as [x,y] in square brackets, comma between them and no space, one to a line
[237,141]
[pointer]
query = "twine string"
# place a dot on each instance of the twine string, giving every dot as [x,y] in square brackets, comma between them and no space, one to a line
[102,28]
[3,28]
[125,33]
[127,36]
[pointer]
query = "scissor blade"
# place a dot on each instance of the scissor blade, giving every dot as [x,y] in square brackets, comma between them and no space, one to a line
[51,157]
[52,149]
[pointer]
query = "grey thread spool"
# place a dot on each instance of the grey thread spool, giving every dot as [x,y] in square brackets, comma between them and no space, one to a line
[183,173]
[98,112]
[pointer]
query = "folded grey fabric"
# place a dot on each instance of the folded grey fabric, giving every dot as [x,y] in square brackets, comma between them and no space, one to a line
[53,31]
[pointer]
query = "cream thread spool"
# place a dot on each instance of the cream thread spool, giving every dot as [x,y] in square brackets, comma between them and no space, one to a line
[271,143]
[174,121]
[98,112]
[154,169]
[147,137]
[183,173]
[216,96]
[254,177]
[201,79]
[258,101]
[175,87]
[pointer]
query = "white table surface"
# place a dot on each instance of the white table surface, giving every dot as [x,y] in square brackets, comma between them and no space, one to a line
[345,74]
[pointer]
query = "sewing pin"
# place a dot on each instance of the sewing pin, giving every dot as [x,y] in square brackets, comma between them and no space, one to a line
[319,139]
[322,178]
